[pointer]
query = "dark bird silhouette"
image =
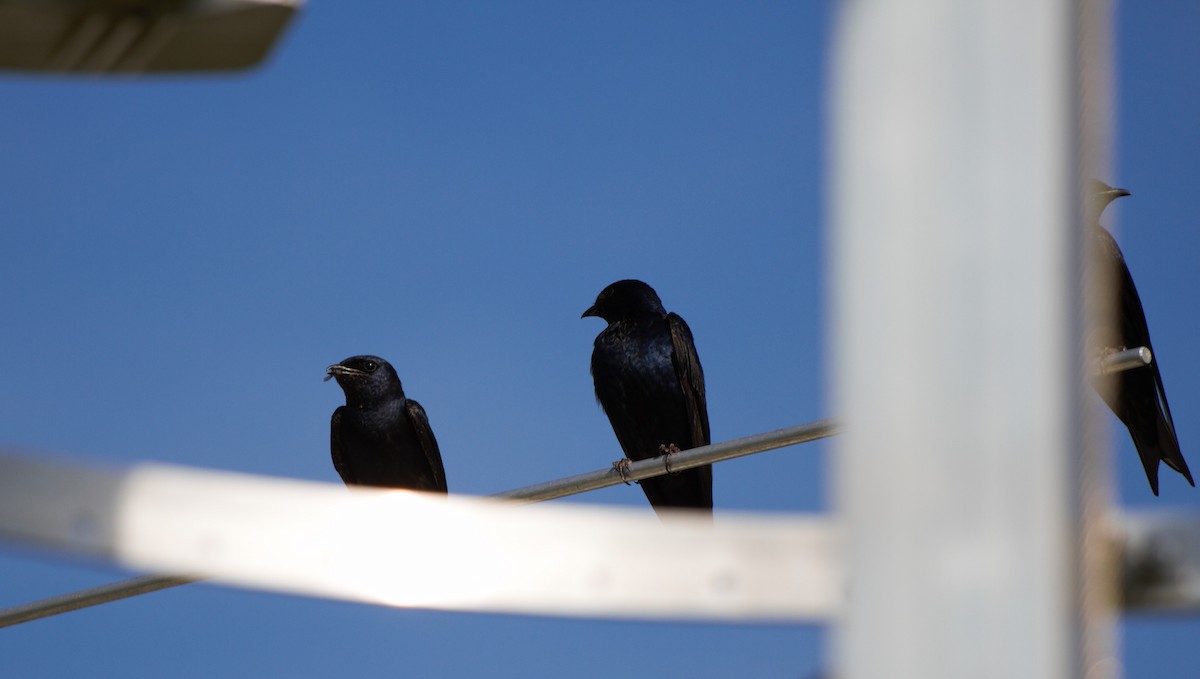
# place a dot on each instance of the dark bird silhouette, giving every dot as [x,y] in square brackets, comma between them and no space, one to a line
[649,382]
[1136,396]
[381,438]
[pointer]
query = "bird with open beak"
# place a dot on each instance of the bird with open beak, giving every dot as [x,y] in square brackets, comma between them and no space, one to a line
[380,437]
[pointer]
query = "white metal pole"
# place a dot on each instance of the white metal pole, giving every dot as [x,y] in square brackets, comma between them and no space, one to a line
[955,204]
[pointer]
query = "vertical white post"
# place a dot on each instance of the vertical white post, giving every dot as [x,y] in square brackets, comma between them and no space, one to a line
[956,324]
[1098,587]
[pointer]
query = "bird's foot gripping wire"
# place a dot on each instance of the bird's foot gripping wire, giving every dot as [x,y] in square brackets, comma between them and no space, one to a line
[622,467]
[667,450]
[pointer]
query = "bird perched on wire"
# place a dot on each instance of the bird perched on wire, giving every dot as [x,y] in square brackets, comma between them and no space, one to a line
[649,381]
[380,438]
[1136,396]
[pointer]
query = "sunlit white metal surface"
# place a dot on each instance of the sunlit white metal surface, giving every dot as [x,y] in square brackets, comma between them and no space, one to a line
[410,549]
[136,36]
[538,492]
[956,231]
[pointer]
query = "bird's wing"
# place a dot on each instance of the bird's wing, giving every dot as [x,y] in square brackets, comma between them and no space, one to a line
[1135,332]
[1172,455]
[1132,321]
[691,378]
[340,463]
[429,445]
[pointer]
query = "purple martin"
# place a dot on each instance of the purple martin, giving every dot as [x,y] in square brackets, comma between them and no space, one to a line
[649,382]
[380,438]
[1136,396]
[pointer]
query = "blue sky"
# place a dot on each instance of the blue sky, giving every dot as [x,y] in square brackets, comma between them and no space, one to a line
[449,185]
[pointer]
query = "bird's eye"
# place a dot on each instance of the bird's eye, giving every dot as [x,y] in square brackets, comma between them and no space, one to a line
[370,366]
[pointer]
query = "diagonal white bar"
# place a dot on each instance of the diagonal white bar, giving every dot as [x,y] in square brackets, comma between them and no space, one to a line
[538,492]
[956,230]
[411,549]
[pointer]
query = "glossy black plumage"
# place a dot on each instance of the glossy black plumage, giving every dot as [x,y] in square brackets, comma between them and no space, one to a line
[1136,396]
[380,438]
[649,381]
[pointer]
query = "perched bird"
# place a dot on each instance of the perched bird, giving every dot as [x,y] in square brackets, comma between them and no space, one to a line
[381,438]
[649,382]
[1136,396]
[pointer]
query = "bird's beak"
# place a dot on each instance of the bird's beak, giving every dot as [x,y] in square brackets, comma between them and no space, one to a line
[1117,193]
[338,369]
[590,312]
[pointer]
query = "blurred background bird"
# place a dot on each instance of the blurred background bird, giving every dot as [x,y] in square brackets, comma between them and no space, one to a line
[1136,396]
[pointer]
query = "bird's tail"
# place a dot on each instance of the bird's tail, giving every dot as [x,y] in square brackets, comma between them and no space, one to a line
[1153,434]
[1168,440]
[1169,451]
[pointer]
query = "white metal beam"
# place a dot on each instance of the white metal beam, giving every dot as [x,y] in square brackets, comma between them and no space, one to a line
[539,492]
[956,232]
[402,548]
